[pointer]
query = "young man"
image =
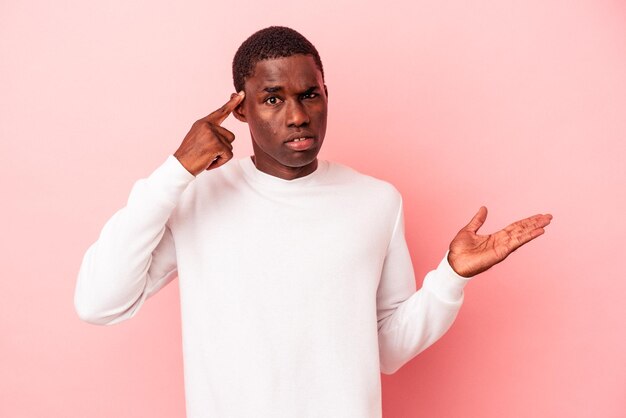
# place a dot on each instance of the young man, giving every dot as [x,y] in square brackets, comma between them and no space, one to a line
[295,279]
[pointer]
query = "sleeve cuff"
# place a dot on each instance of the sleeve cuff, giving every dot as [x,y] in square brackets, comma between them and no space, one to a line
[446,283]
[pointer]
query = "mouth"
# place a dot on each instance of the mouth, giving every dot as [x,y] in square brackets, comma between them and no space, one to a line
[301,143]
[299,136]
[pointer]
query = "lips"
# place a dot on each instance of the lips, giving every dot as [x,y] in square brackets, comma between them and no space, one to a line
[299,136]
[300,143]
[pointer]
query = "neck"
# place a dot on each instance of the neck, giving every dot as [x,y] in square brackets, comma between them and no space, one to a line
[284,172]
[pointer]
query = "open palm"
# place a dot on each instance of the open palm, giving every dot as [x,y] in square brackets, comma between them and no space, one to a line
[471,253]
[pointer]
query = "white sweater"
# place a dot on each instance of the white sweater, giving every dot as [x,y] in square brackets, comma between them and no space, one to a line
[295,295]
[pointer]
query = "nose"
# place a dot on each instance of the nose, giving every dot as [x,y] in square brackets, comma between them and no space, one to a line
[296,114]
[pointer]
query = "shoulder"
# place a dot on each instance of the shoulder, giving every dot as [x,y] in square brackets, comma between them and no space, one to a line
[359,185]
[362,183]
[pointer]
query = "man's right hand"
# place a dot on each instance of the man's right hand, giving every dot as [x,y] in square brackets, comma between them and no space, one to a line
[207,145]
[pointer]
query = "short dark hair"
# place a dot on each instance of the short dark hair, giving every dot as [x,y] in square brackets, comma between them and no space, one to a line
[271,42]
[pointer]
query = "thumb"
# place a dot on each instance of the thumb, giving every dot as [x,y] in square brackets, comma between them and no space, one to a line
[478,220]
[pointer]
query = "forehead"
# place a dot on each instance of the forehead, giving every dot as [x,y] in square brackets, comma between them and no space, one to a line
[296,71]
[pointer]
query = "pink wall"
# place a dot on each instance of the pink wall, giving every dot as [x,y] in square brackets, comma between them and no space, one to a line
[520,106]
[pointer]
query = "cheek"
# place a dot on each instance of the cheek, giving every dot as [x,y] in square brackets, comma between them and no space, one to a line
[255,123]
[320,110]
[321,115]
[264,127]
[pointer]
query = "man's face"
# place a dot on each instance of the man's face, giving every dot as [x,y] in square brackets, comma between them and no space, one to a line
[286,100]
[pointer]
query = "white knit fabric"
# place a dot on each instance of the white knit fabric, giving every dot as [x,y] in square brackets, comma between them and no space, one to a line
[295,295]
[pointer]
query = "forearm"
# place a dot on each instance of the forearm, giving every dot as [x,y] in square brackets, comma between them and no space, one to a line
[421,319]
[115,273]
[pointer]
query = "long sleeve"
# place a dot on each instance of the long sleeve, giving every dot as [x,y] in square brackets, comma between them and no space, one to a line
[409,321]
[134,255]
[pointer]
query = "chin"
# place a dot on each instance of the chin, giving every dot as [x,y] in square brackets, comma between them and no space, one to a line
[301,160]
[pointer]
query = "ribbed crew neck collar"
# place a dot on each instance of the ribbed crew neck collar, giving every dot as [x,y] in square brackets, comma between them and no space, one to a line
[257,176]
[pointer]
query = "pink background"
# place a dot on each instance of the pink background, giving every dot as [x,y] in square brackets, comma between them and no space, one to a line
[520,106]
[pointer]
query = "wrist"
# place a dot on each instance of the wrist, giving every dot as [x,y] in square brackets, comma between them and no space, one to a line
[457,267]
[189,167]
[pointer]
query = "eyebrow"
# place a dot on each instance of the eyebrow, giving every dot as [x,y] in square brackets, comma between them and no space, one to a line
[274,89]
[310,90]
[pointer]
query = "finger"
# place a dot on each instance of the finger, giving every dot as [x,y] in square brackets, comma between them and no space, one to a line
[513,241]
[225,142]
[221,159]
[218,116]
[530,223]
[478,220]
[225,133]
[523,231]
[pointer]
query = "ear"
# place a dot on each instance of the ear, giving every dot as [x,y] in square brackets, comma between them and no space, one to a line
[326,91]
[240,113]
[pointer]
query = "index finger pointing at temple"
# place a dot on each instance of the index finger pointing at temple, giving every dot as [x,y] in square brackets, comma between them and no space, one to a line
[222,113]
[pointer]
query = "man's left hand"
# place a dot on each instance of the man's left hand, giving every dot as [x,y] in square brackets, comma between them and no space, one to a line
[471,253]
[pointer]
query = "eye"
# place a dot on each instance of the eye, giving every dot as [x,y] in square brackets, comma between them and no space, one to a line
[272,100]
[309,95]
